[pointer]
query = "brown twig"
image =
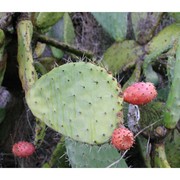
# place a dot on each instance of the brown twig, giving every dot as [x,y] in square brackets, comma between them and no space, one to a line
[62,46]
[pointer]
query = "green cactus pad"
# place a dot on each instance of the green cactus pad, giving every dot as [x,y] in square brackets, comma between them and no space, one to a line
[62,31]
[151,75]
[160,159]
[172,113]
[164,40]
[44,20]
[79,100]
[58,157]
[115,23]
[176,16]
[144,24]
[172,146]
[2,37]
[83,155]
[122,54]
[27,73]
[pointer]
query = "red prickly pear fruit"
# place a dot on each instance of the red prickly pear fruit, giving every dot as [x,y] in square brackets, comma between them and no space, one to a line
[140,93]
[122,138]
[23,149]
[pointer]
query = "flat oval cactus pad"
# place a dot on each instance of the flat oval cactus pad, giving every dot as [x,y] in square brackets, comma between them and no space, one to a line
[79,100]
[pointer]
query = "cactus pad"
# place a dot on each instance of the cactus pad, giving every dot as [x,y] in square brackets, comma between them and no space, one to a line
[144,25]
[83,155]
[121,55]
[79,100]
[172,113]
[62,31]
[44,20]
[115,23]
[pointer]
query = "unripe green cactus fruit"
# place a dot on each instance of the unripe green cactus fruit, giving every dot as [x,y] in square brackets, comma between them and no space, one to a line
[79,100]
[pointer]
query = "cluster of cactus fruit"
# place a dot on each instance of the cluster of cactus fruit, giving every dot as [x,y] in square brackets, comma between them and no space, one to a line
[84,102]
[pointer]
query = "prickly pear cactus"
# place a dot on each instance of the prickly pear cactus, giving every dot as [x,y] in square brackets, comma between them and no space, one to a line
[79,100]
[160,159]
[114,23]
[43,20]
[144,24]
[164,40]
[39,49]
[151,75]
[172,113]
[172,146]
[27,72]
[59,157]
[150,114]
[62,31]
[83,155]
[121,54]
[176,16]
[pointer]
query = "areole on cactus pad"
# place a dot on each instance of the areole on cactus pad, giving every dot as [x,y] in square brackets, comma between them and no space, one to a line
[79,100]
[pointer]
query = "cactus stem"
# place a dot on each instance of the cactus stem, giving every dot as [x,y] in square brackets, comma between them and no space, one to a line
[62,46]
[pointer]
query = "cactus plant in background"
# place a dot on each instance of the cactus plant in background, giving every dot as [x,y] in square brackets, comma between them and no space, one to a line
[144,25]
[63,31]
[122,55]
[27,72]
[44,20]
[78,96]
[172,115]
[114,23]
[92,156]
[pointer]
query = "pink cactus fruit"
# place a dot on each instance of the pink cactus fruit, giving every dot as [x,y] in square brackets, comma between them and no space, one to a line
[122,138]
[140,93]
[23,149]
